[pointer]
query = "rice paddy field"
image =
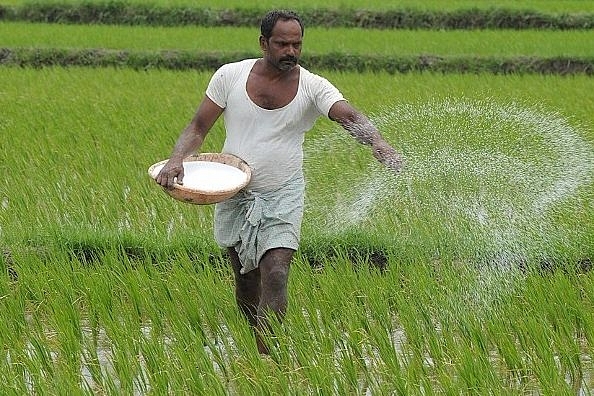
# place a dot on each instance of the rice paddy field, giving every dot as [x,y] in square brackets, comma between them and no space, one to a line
[467,273]
[355,41]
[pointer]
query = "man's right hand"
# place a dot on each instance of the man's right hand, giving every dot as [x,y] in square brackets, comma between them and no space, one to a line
[386,155]
[172,173]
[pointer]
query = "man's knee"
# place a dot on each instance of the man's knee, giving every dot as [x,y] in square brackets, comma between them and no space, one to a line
[277,257]
[276,279]
[274,269]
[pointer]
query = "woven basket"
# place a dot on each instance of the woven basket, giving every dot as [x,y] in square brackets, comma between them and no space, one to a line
[198,197]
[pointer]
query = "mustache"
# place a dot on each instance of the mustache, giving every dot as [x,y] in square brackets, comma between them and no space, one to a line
[292,59]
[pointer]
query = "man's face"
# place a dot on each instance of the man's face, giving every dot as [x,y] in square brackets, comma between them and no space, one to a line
[283,49]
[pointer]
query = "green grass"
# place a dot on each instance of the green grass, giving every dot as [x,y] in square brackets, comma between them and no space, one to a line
[544,6]
[78,143]
[316,41]
[127,326]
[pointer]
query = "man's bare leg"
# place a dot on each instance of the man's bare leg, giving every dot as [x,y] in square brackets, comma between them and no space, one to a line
[247,289]
[274,275]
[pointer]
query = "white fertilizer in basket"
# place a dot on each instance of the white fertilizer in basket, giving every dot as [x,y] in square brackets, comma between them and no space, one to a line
[209,176]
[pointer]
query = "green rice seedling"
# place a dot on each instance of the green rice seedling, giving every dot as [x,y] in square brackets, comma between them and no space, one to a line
[511,359]
[585,315]
[355,329]
[535,337]
[564,318]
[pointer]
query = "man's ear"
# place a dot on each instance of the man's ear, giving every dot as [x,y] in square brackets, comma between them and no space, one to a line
[263,43]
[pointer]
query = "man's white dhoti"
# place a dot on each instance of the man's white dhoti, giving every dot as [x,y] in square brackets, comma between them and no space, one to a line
[254,222]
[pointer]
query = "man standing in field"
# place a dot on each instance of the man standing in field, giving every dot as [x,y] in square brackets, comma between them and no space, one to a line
[268,104]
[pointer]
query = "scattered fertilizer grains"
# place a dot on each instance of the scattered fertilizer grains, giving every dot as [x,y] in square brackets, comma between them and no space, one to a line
[496,181]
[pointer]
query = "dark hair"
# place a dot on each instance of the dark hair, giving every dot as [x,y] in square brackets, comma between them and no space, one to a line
[272,17]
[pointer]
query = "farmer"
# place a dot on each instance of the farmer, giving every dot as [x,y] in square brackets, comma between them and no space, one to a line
[267,105]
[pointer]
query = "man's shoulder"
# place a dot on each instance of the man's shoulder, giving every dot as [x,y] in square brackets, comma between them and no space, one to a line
[228,73]
[238,65]
[306,73]
[309,77]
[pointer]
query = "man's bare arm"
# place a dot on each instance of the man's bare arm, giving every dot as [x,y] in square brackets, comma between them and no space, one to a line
[356,123]
[362,129]
[189,141]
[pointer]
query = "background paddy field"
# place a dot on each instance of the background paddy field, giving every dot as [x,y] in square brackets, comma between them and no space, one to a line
[354,41]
